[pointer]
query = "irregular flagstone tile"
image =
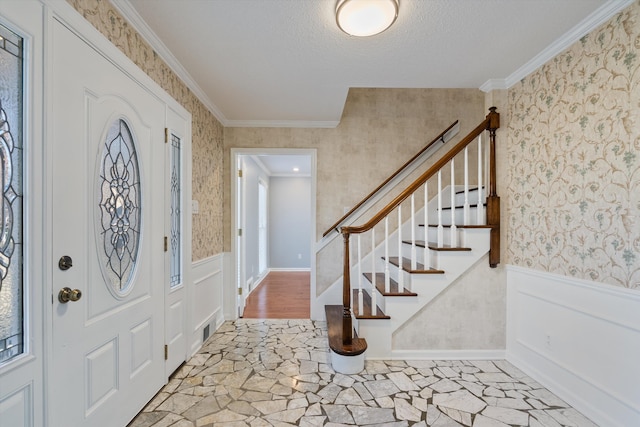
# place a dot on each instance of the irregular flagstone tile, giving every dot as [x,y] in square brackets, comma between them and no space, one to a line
[313,410]
[362,391]
[206,406]
[494,377]
[405,411]
[338,414]
[289,416]
[507,402]
[306,387]
[308,378]
[236,379]
[475,388]
[469,377]
[178,403]
[436,418]
[402,381]
[364,415]
[515,394]
[156,401]
[445,372]
[169,420]
[281,390]
[343,380]
[461,400]
[255,396]
[395,424]
[548,398]
[221,417]
[419,403]
[570,417]
[426,393]
[445,386]
[507,415]
[381,388]
[313,398]
[297,403]
[493,392]
[148,419]
[315,421]
[259,383]
[244,408]
[375,367]
[403,396]
[183,423]
[203,391]
[461,417]
[330,392]
[349,397]
[544,418]
[308,367]
[485,365]
[223,400]
[482,421]
[270,406]
[385,402]
[536,404]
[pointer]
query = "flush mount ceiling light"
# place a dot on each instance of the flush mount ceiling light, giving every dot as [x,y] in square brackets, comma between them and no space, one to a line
[366,17]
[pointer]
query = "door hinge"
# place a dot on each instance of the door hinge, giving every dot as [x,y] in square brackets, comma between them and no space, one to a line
[240,232]
[166,244]
[239,173]
[166,135]
[239,291]
[166,352]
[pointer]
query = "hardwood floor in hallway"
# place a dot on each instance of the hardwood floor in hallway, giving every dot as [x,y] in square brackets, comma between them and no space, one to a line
[281,295]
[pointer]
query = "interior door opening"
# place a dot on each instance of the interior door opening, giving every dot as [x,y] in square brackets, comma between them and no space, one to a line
[274,219]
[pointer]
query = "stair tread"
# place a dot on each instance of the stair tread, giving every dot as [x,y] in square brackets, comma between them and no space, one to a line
[434,246]
[366,307]
[334,331]
[394,288]
[471,205]
[406,266]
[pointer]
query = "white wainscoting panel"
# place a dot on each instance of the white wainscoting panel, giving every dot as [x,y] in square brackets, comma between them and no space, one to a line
[580,339]
[205,299]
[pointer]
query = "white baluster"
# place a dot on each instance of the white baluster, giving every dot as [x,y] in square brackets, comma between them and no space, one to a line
[360,296]
[387,279]
[453,230]
[414,260]
[426,225]
[479,218]
[466,208]
[373,274]
[400,271]
[440,227]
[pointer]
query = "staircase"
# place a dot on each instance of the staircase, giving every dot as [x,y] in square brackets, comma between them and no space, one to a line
[414,254]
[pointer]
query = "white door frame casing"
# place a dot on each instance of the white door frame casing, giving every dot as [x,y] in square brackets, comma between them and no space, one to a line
[230,293]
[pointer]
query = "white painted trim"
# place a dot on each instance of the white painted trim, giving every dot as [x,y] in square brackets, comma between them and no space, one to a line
[202,262]
[590,23]
[447,355]
[289,269]
[578,338]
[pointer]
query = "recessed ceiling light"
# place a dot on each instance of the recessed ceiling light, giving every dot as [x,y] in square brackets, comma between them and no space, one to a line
[364,18]
[296,169]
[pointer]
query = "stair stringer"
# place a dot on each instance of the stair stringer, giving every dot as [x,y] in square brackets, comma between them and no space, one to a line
[379,333]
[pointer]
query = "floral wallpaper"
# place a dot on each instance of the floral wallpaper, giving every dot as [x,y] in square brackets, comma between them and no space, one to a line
[574,159]
[207,132]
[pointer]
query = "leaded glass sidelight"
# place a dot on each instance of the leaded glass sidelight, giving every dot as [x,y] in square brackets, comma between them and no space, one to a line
[11,245]
[175,213]
[119,218]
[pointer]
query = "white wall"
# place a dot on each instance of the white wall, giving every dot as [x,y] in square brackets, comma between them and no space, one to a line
[206,299]
[251,175]
[289,222]
[579,339]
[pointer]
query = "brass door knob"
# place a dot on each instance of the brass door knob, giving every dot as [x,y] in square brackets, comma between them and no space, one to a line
[67,294]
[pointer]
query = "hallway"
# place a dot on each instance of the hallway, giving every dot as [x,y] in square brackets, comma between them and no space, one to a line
[281,295]
[277,373]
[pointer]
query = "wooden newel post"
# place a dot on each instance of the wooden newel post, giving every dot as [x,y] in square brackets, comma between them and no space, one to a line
[493,201]
[347,325]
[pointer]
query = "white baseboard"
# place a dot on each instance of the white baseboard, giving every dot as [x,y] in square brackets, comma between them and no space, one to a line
[447,355]
[289,269]
[580,339]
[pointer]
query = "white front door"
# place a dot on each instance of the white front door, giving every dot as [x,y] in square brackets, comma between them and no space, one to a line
[108,219]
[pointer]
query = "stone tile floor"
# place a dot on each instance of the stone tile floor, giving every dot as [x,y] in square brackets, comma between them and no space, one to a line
[277,373]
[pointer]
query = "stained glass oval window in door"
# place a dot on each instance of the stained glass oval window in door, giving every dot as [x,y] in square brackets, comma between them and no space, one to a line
[119,213]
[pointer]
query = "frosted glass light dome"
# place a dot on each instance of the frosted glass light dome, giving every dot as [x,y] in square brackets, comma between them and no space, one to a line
[364,18]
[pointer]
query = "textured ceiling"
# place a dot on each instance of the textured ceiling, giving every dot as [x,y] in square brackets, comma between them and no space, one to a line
[286,63]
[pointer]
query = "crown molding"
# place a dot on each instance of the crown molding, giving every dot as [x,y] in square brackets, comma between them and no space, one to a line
[135,20]
[590,23]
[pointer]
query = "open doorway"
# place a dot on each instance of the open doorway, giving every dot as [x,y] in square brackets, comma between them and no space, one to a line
[273,224]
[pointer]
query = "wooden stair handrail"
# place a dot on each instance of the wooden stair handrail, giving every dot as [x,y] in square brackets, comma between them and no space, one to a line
[491,123]
[386,181]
